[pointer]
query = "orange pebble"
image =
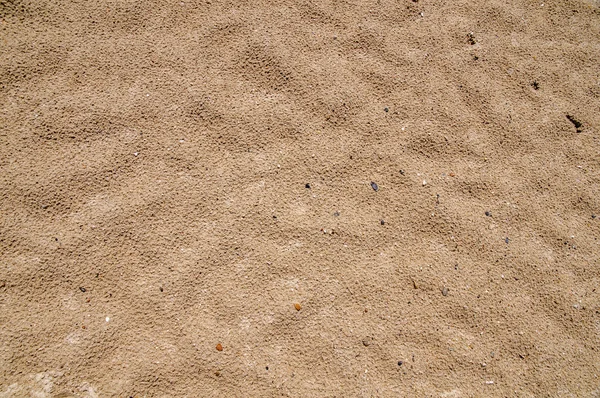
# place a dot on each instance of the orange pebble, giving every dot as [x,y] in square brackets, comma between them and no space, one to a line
[297,306]
[452,174]
[219,347]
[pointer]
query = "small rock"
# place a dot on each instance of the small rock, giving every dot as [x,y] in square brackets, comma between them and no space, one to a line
[219,347]
[424,182]
[593,216]
[487,213]
[297,306]
[367,341]
[400,363]
[382,222]
[402,172]
[374,186]
[386,109]
[506,240]
[337,214]
[83,289]
[444,291]
[452,174]
[307,186]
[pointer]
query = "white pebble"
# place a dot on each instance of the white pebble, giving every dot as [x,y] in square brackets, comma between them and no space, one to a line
[107,319]
[424,182]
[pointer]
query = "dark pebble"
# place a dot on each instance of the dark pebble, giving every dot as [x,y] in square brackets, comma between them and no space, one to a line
[307,186]
[274,217]
[161,289]
[382,222]
[487,213]
[593,216]
[402,172]
[400,363]
[374,186]
[337,214]
[266,367]
[506,240]
[83,289]
[386,109]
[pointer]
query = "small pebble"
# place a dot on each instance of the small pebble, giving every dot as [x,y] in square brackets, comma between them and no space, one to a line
[424,182]
[83,289]
[161,289]
[367,341]
[487,213]
[374,186]
[297,306]
[400,363]
[337,214]
[444,291]
[219,347]
[506,240]
[593,216]
[386,109]
[402,172]
[307,186]
[452,174]
[382,222]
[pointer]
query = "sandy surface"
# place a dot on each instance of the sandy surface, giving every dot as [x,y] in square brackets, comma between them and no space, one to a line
[154,157]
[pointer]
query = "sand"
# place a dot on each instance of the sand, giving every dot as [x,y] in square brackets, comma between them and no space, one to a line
[154,206]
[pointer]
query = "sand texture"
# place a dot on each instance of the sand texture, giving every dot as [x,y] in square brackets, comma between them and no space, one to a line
[388,198]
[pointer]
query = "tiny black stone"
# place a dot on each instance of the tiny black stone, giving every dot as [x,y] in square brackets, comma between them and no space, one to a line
[487,213]
[337,214]
[266,367]
[374,186]
[575,122]
[386,109]
[506,240]
[535,85]
[382,222]
[83,289]
[402,172]
[161,289]
[593,216]
[400,363]
[274,216]
[307,186]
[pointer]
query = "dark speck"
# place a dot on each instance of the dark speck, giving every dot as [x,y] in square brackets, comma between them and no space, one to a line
[535,85]
[382,222]
[506,240]
[337,214]
[593,216]
[487,213]
[374,186]
[575,122]
[161,289]
[266,367]
[400,363]
[83,289]
[274,217]
[307,186]
[386,109]
[402,172]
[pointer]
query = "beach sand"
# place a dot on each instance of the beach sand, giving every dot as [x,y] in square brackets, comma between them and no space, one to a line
[178,175]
